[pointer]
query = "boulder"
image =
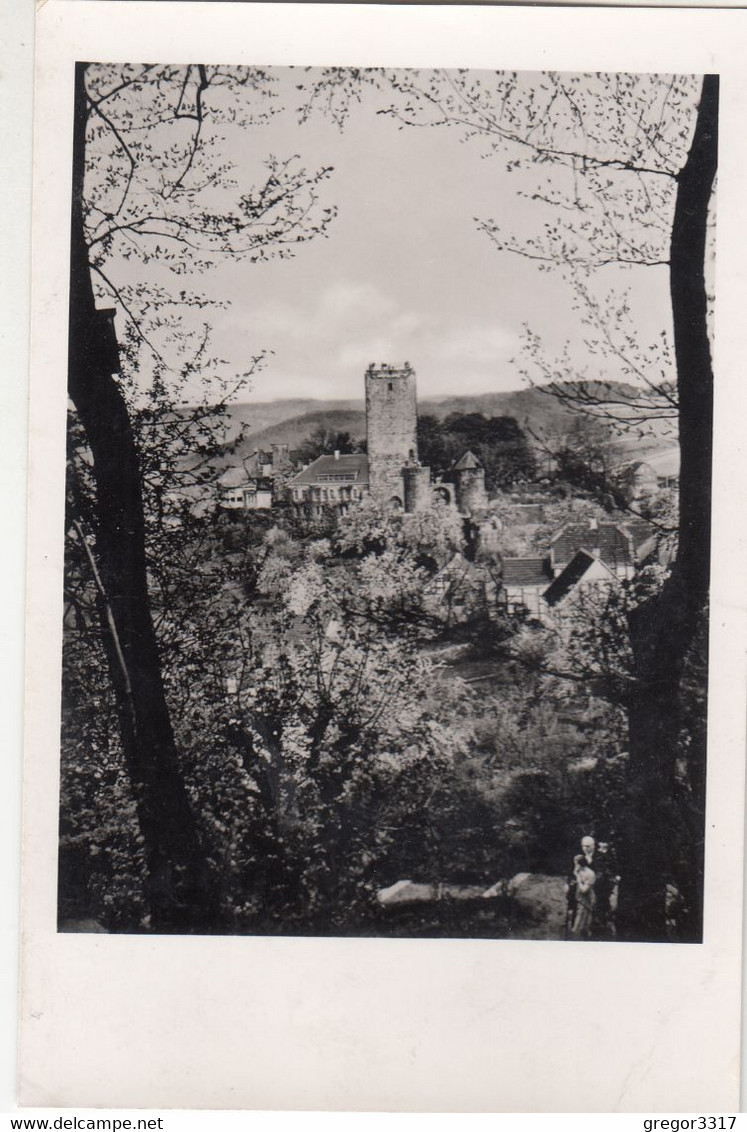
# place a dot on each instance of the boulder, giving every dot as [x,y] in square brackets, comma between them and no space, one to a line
[539,899]
[405,892]
[91,926]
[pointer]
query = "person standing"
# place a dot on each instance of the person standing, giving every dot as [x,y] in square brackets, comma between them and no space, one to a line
[586,859]
[583,920]
[606,869]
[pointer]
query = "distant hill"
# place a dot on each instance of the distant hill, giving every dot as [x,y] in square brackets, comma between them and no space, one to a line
[261,415]
[291,422]
[296,429]
[543,415]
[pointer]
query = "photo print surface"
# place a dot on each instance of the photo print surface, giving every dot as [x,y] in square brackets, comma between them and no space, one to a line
[388,503]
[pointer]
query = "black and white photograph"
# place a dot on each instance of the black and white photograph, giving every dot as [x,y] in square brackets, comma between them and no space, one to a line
[385,684]
[388,494]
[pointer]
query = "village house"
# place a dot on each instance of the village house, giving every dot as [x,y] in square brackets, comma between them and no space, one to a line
[459,591]
[524,581]
[621,545]
[589,553]
[658,471]
[259,463]
[239,492]
[666,467]
[584,573]
[330,482]
[258,481]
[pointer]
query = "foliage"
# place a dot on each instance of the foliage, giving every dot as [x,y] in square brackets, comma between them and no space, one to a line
[431,534]
[101,862]
[325,441]
[326,753]
[588,456]
[498,442]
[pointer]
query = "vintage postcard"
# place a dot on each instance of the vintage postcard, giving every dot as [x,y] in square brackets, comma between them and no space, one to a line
[386,620]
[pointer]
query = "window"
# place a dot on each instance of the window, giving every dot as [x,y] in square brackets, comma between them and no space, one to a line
[390,386]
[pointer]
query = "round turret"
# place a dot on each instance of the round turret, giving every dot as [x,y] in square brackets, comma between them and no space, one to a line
[417,486]
[469,477]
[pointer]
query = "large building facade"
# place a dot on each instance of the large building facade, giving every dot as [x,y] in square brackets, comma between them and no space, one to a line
[330,482]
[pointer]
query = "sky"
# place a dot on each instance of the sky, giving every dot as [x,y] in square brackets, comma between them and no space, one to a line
[404,274]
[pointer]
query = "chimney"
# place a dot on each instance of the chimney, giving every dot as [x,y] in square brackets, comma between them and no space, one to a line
[337,454]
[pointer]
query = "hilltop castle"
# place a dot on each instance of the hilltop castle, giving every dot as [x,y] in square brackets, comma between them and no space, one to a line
[390,471]
[592,551]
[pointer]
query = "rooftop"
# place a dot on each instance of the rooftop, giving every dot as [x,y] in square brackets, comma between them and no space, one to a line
[642,533]
[579,565]
[468,460]
[614,543]
[526,571]
[350,468]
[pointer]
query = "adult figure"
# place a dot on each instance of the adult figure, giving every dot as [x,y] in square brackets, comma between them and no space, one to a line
[585,858]
[605,868]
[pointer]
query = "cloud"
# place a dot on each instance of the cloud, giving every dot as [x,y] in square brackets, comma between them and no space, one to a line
[324,337]
[477,344]
[346,300]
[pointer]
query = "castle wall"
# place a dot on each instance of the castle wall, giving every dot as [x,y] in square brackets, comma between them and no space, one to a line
[391,428]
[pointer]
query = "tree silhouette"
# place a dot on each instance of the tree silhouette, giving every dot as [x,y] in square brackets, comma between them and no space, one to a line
[150,186]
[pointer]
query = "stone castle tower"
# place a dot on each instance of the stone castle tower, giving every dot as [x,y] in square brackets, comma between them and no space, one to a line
[391,429]
[469,475]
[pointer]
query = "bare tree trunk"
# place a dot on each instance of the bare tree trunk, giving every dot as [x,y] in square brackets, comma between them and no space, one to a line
[179,893]
[664,629]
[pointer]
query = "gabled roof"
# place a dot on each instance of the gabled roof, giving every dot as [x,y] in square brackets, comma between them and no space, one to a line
[526,571]
[318,472]
[612,540]
[468,460]
[642,533]
[573,573]
[457,565]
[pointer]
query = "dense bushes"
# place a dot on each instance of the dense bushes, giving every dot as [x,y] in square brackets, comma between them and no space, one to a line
[327,753]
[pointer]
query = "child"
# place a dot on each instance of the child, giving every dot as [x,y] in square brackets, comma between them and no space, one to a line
[585,900]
